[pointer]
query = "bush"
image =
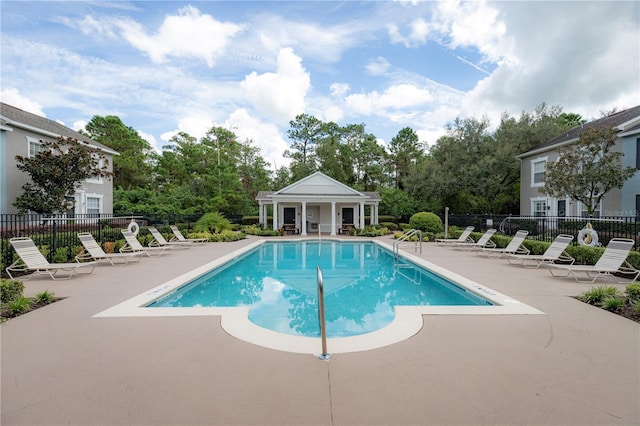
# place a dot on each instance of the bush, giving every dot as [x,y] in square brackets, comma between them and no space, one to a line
[250,220]
[501,240]
[212,222]
[60,256]
[387,218]
[633,291]
[44,298]
[536,247]
[613,303]
[389,225]
[19,306]
[597,295]
[10,290]
[426,221]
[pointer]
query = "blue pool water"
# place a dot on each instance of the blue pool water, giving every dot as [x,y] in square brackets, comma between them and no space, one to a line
[278,280]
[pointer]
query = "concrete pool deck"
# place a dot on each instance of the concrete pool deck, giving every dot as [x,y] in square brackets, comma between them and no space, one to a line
[575,365]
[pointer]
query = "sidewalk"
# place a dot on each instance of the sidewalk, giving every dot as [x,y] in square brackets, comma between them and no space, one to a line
[576,365]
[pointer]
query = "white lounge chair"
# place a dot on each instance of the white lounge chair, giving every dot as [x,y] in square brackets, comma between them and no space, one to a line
[553,254]
[177,236]
[613,261]
[464,237]
[32,260]
[93,251]
[160,241]
[133,245]
[483,242]
[514,247]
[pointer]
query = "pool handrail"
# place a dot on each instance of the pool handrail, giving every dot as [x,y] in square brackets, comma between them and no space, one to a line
[323,326]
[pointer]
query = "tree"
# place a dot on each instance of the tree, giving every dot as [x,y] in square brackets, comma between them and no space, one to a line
[132,168]
[406,151]
[305,133]
[56,172]
[587,170]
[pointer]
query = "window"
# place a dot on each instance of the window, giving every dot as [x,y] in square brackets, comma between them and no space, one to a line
[93,205]
[537,171]
[97,179]
[539,207]
[638,153]
[596,213]
[35,146]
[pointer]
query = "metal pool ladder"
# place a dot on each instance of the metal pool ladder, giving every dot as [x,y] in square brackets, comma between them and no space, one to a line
[405,240]
[323,326]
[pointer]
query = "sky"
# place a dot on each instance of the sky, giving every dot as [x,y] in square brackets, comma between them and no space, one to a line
[252,66]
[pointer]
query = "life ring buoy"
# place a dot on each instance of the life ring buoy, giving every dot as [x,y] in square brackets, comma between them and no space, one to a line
[588,236]
[134,228]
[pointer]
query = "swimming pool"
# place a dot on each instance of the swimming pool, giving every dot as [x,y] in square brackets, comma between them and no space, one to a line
[407,320]
[363,283]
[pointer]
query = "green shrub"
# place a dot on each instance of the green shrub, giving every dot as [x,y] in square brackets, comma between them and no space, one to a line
[60,256]
[19,306]
[387,218]
[44,298]
[212,222]
[250,220]
[10,290]
[633,291]
[613,303]
[426,221]
[585,255]
[634,259]
[536,247]
[390,225]
[597,295]
[636,305]
[206,235]
[501,240]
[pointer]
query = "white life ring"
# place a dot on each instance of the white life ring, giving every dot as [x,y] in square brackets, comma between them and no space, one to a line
[588,236]
[134,228]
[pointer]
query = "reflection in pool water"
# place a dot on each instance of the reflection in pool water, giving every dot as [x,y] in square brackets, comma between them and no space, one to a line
[363,283]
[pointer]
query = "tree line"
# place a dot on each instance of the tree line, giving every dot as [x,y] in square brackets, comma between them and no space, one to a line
[471,169]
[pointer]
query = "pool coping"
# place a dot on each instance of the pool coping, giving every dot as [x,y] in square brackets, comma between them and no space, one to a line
[407,322]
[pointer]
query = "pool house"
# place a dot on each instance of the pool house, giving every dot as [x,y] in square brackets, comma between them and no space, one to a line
[317,204]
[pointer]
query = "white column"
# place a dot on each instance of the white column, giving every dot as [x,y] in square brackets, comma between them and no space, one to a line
[333,218]
[303,219]
[375,208]
[275,215]
[260,216]
[361,215]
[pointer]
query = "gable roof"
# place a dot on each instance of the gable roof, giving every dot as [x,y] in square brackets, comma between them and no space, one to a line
[318,184]
[627,121]
[15,117]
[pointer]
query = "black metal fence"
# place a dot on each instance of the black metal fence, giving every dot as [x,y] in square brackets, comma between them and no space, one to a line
[58,232]
[546,228]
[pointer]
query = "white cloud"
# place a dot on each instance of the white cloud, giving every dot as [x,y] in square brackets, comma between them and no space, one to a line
[265,135]
[339,89]
[378,66]
[14,98]
[151,139]
[395,97]
[97,28]
[79,125]
[280,95]
[581,67]
[186,35]
[194,124]
[313,41]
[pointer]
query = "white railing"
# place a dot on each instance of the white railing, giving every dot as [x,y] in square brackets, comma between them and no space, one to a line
[406,240]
